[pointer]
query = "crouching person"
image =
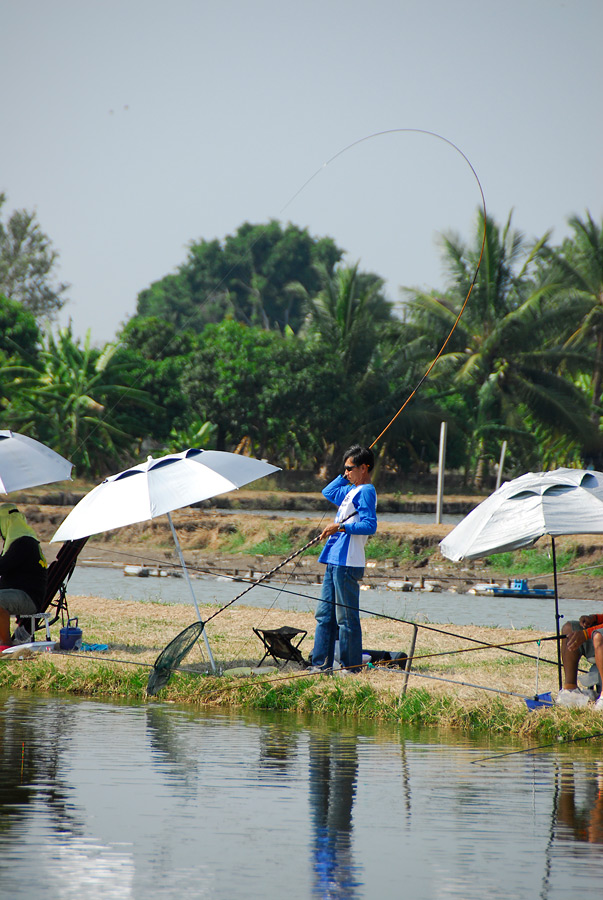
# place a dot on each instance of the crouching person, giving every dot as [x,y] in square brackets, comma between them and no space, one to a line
[583,639]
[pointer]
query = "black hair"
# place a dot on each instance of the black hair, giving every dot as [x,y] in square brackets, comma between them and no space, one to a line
[360,455]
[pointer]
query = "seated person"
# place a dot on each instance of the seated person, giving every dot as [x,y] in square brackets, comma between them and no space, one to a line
[23,570]
[582,639]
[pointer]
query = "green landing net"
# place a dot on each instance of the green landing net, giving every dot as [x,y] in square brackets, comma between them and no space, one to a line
[171,657]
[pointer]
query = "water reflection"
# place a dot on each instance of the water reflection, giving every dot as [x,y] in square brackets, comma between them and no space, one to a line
[333,768]
[172,752]
[150,801]
[29,767]
[278,748]
[580,803]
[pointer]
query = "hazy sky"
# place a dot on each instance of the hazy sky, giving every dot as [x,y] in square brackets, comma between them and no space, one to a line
[133,127]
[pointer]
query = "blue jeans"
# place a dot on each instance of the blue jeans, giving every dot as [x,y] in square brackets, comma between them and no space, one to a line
[337,615]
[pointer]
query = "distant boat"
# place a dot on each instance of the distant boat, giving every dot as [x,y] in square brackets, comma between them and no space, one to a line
[145,572]
[517,588]
[484,587]
[140,571]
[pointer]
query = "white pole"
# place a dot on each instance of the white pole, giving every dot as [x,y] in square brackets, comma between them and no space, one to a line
[190,585]
[501,464]
[441,464]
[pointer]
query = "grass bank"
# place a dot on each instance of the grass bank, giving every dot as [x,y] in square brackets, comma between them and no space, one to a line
[136,632]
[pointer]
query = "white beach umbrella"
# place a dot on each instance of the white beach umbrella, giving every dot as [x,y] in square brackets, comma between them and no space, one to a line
[158,486]
[564,501]
[561,502]
[26,463]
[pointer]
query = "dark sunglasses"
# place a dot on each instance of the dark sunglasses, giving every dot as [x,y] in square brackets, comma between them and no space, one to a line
[349,468]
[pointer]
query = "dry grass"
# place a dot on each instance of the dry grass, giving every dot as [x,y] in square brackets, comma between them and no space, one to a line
[137,632]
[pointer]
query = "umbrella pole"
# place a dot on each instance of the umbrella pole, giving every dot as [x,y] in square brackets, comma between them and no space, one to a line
[188,580]
[557,616]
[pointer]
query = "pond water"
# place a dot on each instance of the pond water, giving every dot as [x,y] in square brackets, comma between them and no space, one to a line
[459,609]
[101,800]
[418,518]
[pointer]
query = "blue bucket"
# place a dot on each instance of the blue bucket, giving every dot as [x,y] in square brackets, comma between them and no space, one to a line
[71,636]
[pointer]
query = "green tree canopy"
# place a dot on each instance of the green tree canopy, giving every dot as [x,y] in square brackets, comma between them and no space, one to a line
[252,276]
[155,354]
[347,315]
[20,342]
[28,263]
[349,319]
[20,336]
[271,391]
[80,401]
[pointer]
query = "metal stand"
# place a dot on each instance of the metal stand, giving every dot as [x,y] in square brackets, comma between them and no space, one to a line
[557,616]
[411,653]
[186,575]
[441,466]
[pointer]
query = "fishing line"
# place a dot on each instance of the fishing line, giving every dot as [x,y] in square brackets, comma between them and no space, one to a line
[466,300]
[337,155]
[579,570]
[487,646]
[475,274]
[440,137]
[480,687]
[368,612]
[297,675]
[556,743]
[284,562]
[213,292]
[483,644]
[125,662]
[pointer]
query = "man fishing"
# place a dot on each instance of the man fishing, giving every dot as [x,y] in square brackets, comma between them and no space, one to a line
[337,613]
[582,639]
[23,570]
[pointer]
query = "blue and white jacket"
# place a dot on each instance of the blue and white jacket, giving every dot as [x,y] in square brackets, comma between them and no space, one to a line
[361,500]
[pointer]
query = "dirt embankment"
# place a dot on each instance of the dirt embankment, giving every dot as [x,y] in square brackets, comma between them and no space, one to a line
[221,541]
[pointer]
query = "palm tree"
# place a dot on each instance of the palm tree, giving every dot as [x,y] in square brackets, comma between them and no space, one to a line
[347,318]
[81,404]
[504,354]
[575,273]
[346,315]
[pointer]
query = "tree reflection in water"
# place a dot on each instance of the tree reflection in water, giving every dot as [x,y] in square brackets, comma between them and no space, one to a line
[33,737]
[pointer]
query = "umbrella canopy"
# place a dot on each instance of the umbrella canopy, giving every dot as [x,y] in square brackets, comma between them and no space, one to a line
[159,486]
[564,501]
[25,463]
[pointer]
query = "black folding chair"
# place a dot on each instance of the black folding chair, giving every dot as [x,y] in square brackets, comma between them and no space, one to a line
[54,605]
[281,643]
